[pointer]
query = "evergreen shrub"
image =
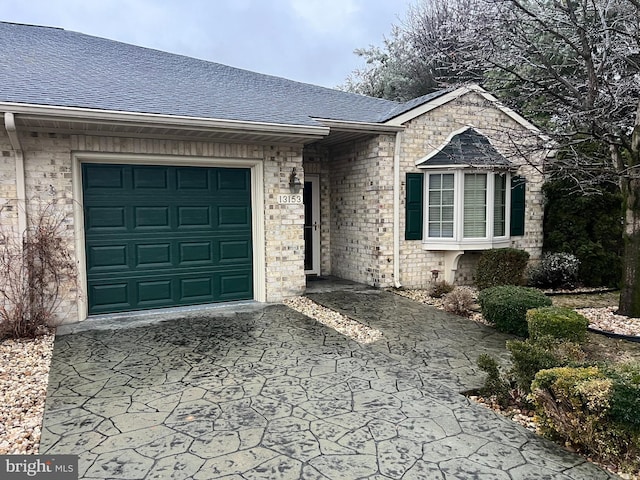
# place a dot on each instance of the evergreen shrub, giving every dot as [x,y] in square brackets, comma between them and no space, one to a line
[506,306]
[501,266]
[557,322]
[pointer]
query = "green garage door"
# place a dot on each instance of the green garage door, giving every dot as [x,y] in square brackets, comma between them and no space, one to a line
[165,236]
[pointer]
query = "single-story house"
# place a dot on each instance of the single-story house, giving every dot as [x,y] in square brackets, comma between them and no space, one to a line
[189,182]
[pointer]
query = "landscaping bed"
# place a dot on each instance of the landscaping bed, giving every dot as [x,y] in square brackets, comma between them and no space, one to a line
[24,375]
[611,338]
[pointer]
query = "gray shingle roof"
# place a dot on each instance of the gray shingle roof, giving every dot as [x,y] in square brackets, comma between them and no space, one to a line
[467,148]
[55,67]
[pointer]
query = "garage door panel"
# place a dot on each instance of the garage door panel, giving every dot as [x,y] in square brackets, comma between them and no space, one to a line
[233,216]
[101,177]
[197,289]
[233,179]
[193,253]
[112,295]
[153,255]
[107,257]
[192,179]
[234,285]
[105,218]
[234,251]
[154,292]
[194,216]
[151,218]
[170,236]
[145,177]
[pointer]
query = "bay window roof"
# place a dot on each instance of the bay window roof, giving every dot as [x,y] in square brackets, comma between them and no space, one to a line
[467,148]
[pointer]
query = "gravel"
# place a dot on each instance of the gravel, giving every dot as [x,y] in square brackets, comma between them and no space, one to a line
[604,318]
[24,374]
[357,331]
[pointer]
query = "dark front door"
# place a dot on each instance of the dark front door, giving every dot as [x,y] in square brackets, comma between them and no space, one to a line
[161,236]
[312,225]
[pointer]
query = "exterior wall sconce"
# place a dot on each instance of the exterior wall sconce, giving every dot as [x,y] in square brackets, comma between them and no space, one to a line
[295,185]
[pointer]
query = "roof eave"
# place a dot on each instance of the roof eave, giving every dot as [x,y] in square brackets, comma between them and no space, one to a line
[364,127]
[150,120]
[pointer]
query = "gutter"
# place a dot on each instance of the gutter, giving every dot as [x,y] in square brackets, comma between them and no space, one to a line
[21,197]
[132,119]
[368,127]
[396,211]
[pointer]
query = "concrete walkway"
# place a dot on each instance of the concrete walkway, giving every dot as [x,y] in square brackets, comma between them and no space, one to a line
[266,393]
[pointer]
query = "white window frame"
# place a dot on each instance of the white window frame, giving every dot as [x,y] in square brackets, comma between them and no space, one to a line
[458,241]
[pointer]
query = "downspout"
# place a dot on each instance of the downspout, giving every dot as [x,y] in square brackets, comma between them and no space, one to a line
[396,211]
[10,126]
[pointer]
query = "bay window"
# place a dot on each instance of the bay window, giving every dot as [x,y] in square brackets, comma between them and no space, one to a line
[467,209]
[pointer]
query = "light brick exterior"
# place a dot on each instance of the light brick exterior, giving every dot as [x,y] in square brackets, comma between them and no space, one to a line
[356,194]
[362,211]
[49,179]
[429,131]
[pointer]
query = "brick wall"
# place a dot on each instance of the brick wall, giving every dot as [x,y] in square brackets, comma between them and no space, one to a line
[429,131]
[362,211]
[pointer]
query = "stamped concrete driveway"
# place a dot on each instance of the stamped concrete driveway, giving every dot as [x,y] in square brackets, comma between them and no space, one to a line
[267,393]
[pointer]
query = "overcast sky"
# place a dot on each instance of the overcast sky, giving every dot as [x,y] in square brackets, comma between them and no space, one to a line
[306,40]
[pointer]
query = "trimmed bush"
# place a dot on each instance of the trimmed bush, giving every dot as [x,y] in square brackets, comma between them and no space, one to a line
[557,322]
[555,270]
[579,405]
[626,394]
[506,306]
[501,266]
[529,357]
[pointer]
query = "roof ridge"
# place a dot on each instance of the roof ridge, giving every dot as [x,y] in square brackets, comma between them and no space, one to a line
[30,25]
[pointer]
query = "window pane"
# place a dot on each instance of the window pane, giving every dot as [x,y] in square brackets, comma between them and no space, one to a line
[447,181]
[475,208]
[434,229]
[499,206]
[435,214]
[441,198]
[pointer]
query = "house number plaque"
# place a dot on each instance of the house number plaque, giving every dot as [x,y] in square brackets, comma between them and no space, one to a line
[290,198]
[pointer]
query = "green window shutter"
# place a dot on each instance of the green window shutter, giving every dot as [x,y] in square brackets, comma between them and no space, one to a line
[517,206]
[414,209]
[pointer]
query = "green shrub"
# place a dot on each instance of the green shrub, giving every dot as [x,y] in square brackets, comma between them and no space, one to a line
[557,322]
[578,404]
[528,359]
[626,394]
[506,306]
[555,270]
[500,266]
[494,385]
[589,226]
[440,289]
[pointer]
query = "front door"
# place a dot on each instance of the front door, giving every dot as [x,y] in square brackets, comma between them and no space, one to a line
[311,225]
